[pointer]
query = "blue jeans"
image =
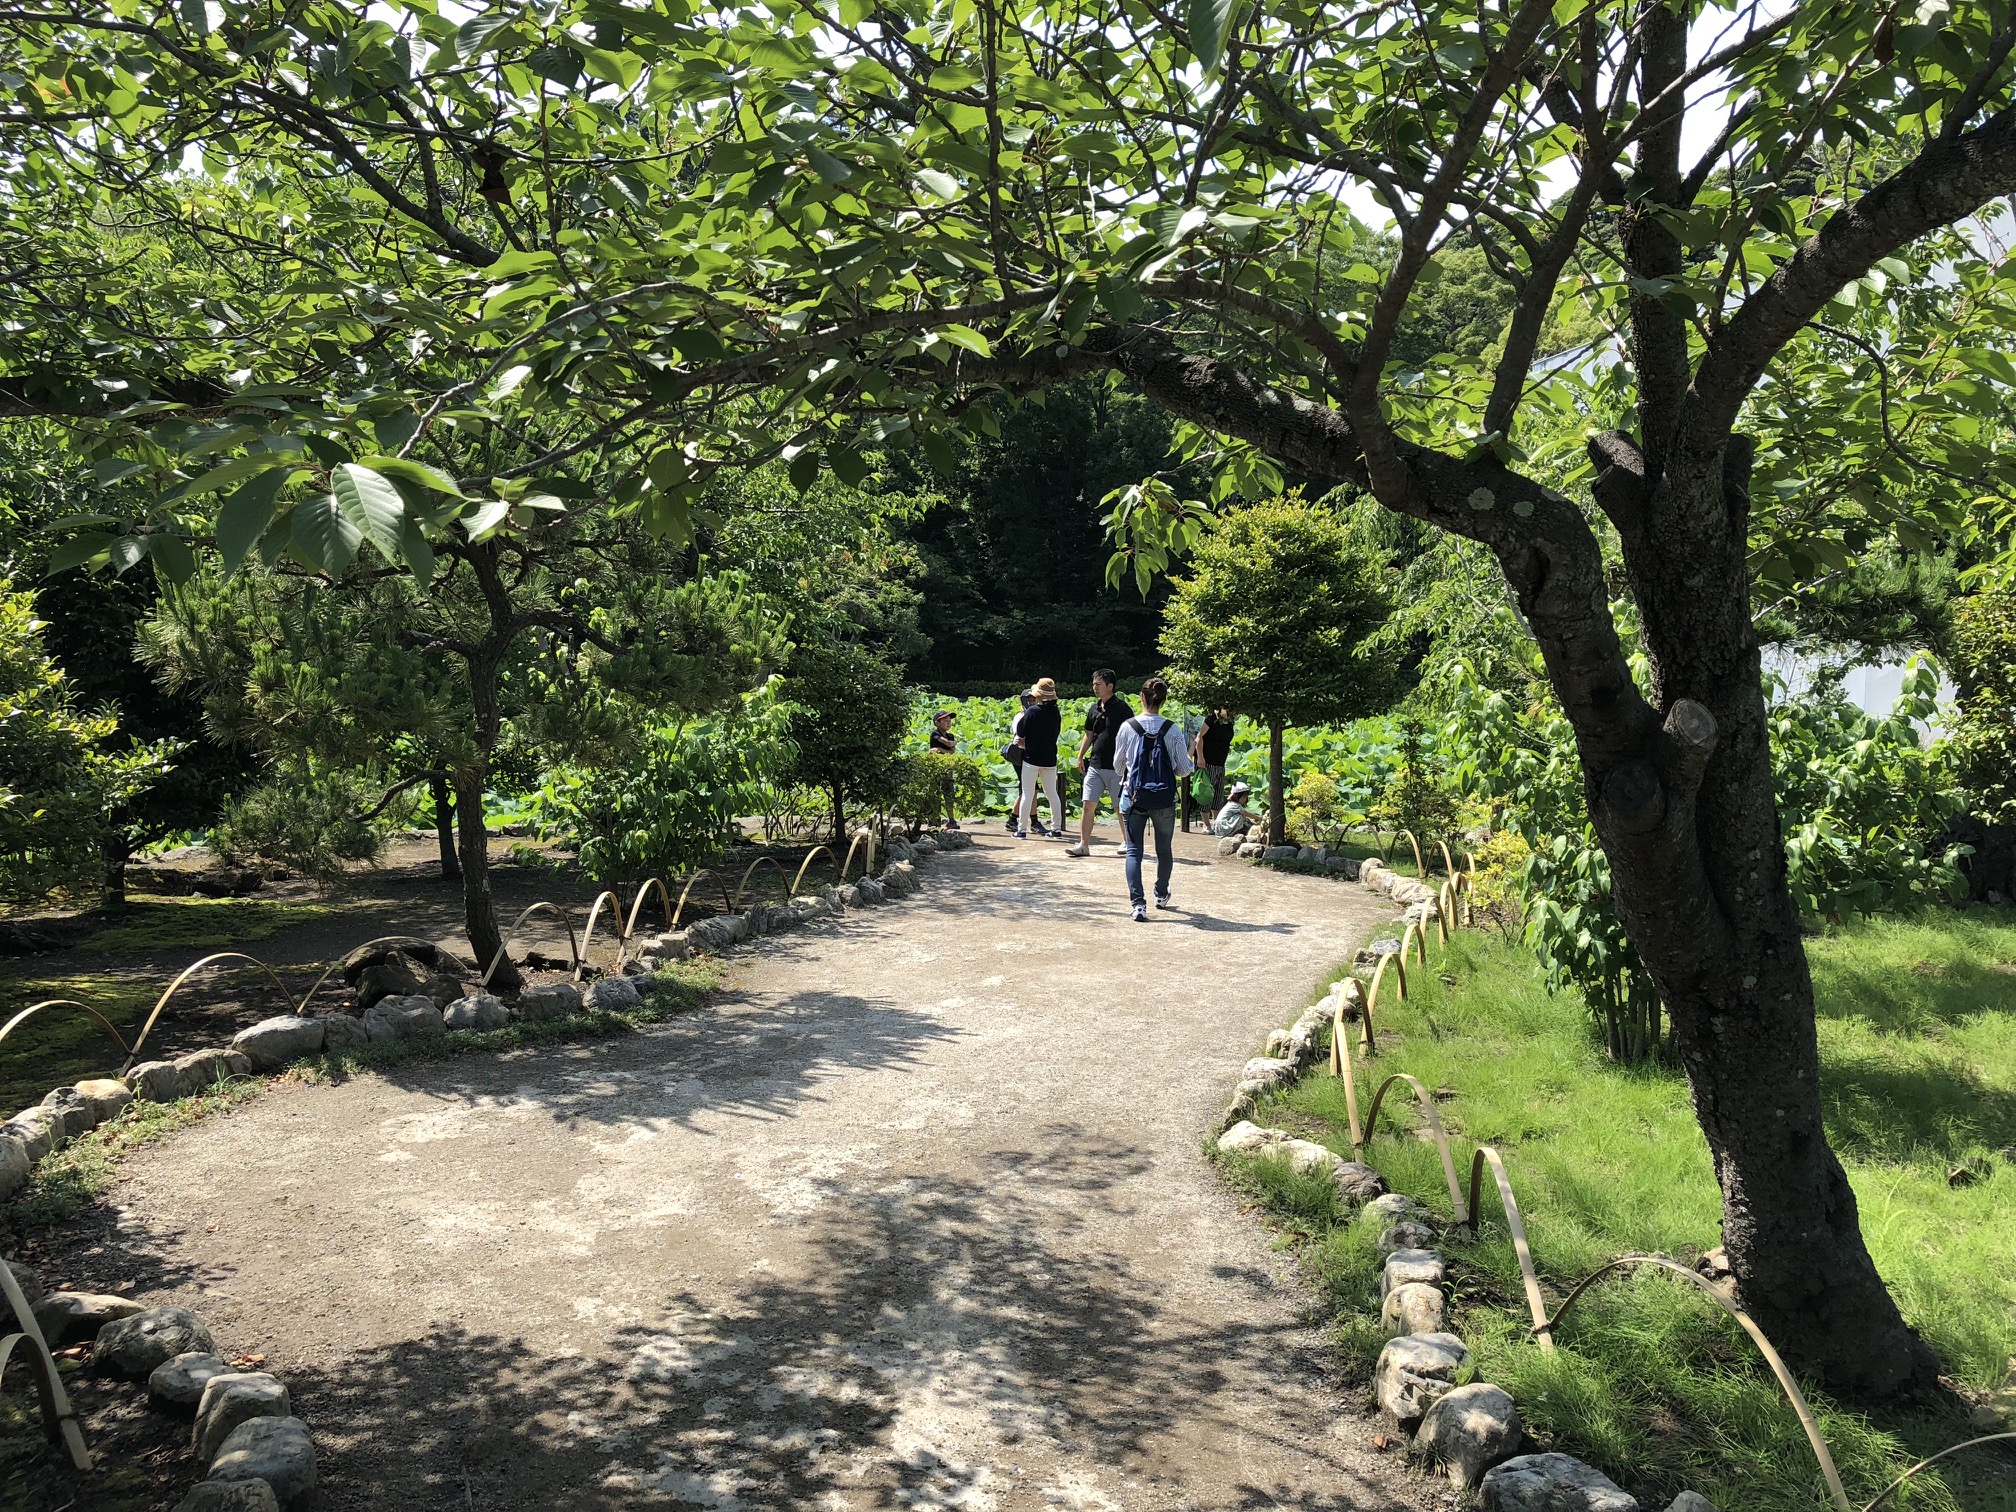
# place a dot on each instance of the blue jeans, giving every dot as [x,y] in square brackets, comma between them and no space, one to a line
[1134,824]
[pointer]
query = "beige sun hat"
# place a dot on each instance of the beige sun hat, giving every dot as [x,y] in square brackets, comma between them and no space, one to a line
[1045,689]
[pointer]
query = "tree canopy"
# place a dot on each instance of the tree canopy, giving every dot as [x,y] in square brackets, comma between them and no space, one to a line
[277,259]
[1269,619]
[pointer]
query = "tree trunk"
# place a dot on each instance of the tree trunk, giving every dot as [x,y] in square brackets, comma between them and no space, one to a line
[113,855]
[839,816]
[1277,788]
[444,828]
[1690,823]
[479,913]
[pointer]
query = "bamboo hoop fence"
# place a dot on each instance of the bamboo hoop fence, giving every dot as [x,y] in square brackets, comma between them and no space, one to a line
[1468,1214]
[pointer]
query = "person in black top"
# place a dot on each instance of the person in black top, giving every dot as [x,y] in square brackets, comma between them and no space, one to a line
[1095,754]
[1214,745]
[945,743]
[1042,723]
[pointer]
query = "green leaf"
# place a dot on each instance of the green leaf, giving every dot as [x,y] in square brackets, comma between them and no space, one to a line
[1210,23]
[827,166]
[370,502]
[848,465]
[323,537]
[417,473]
[327,450]
[473,37]
[126,552]
[619,68]
[482,521]
[78,550]
[518,264]
[967,337]
[228,472]
[112,469]
[244,516]
[936,181]
[804,469]
[173,559]
[418,554]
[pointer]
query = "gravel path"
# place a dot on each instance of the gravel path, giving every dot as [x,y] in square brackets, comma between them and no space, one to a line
[915,1216]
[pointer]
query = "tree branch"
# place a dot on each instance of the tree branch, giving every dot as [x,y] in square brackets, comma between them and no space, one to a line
[1948,180]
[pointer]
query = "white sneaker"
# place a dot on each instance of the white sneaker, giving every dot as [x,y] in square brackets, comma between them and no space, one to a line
[1140,914]
[1165,903]
[1080,849]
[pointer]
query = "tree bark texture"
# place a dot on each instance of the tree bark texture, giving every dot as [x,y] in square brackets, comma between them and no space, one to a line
[1277,788]
[479,911]
[444,828]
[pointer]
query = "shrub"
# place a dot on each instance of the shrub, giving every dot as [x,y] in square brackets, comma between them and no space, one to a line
[312,820]
[850,707]
[1984,669]
[58,781]
[673,803]
[1415,798]
[925,777]
[1497,895]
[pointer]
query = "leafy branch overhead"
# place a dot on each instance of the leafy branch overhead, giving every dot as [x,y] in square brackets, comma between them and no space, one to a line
[616,249]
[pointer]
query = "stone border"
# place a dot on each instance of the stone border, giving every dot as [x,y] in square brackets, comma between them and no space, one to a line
[67,1113]
[256,1455]
[1474,1430]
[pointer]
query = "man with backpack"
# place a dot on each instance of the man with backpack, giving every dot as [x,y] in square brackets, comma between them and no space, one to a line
[1152,759]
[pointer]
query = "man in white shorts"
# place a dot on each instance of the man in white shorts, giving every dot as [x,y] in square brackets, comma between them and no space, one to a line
[1095,754]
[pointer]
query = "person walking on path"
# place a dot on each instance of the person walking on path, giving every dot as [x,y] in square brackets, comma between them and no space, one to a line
[1095,754]
[1042,723]
[1152,760]
[945,743]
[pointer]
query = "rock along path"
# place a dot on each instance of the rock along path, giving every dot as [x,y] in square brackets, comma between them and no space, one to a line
[916,1215]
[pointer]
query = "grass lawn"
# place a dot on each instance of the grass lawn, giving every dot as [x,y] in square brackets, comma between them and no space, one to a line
[1651,1382]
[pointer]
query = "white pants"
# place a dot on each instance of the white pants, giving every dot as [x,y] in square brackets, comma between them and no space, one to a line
[1030,774]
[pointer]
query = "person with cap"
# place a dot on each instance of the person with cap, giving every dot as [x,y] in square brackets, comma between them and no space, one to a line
[945,743]
[1042,722]
[1235,818]
[1153,759]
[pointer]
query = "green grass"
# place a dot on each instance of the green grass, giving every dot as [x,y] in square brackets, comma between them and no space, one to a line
[69,1180]
[1652,1383]
[148,924]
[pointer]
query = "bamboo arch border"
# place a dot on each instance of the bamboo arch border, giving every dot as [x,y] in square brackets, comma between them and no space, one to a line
[1427,1102]
[1468,1215]
[34,1008]
[1790,1387]
[133,1054]
[1516,1226]
[577,946]
[59,1419]
[504,945]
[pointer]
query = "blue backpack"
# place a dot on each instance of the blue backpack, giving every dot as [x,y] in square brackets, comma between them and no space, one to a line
[1152,783]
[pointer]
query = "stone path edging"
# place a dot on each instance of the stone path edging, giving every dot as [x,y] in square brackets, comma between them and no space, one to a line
[1472,1430]
[67,1113]
[256,1455]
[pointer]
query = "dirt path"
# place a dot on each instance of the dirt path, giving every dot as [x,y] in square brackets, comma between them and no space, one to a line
[915,1216]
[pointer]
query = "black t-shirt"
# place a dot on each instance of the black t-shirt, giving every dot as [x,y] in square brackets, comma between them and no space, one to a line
[1040,728]
[1217,739]
[943,740]
[1102,723]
